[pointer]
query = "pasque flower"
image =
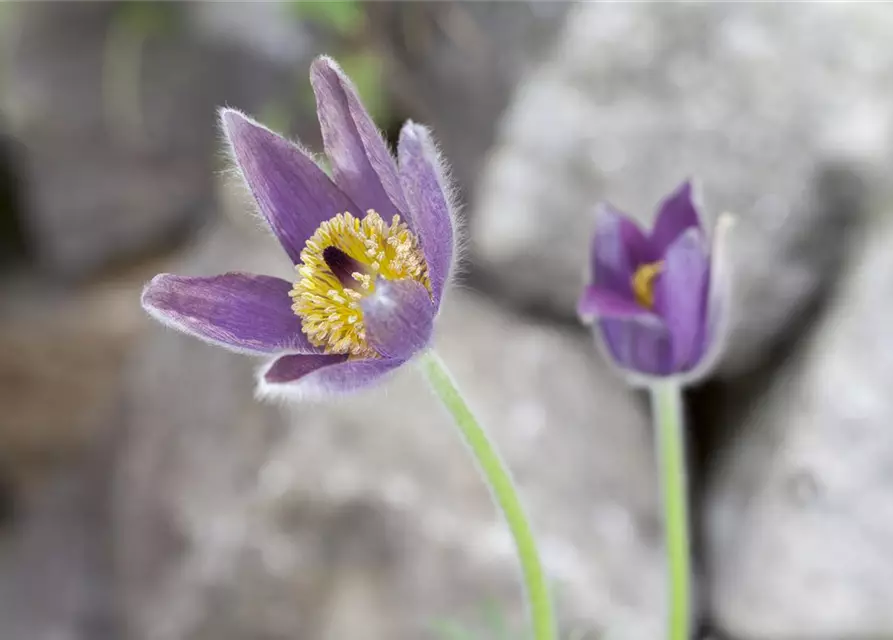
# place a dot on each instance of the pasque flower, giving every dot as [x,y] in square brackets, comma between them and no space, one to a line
[372,247]
[656,299]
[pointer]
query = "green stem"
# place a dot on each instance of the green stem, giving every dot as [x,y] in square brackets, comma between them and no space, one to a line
[503,489]
[667,408]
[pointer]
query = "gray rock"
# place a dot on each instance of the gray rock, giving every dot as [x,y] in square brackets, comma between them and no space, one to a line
[363,516]
[781,112]
[61,358]
[453,66]
[799,522]
[55,565]
[115,105]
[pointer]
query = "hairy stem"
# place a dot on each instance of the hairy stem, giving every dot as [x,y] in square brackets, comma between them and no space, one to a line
[504,493]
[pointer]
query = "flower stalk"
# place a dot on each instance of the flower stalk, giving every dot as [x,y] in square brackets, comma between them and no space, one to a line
[504,493]
[667,409]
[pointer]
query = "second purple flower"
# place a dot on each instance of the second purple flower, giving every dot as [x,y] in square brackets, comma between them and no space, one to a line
[655,298]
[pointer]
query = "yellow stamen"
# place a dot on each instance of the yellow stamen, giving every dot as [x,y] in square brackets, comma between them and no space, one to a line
[643,283]
[330,313]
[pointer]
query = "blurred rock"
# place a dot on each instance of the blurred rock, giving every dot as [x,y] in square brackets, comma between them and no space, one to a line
[114,104]
[55,565]
[453,65]
[12,237]
[799,518]
[781,112]
[363,516]
[268,30]
[61,356]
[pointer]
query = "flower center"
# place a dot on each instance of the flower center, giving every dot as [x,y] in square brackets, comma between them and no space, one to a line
[643,283]
[339,267]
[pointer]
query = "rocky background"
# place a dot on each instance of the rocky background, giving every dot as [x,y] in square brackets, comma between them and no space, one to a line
[144,493]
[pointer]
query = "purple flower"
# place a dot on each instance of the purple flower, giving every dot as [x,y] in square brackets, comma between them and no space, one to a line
[372,247]
[657,298]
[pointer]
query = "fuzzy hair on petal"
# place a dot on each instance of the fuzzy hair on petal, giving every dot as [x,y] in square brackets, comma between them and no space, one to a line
[313,391]
[168,320]
[292,192]
[449,188]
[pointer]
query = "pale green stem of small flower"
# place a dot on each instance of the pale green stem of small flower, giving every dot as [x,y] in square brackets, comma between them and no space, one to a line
[669,421]
[503,489]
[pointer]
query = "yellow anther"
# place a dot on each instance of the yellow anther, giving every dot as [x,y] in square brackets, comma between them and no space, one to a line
[643,283]
[330,312]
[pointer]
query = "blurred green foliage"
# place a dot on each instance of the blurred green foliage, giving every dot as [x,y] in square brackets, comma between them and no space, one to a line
[343,25]
[149,18]
[341,16]
[366,69]
[131,25]
[492,625]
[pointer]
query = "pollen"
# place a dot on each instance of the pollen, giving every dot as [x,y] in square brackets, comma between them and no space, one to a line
[643,283]
[327,296]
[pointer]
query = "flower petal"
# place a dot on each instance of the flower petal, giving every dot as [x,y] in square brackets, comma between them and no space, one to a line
[399,318]
[599,302]
[362,165]
[427,194]
[680,296]
[618,248]
[633,337]
[316,376]
[293,194]
[239,311]
[677,213]
[639,344]
[715,330]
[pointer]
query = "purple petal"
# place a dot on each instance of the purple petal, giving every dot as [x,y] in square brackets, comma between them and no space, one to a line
[719,291]
[315,376]
[427,196]
[618,248]
[239,311]
[640,344]
[293,194]
[676,214]
[361,163]
[598,302]
[399,318]
[680,295]
[636,339]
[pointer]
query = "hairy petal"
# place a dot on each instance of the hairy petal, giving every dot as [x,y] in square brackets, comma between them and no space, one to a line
[427,194]
[680,296]
[399,318]
[618,248]
[362,165]
[677,213]
[293,194]
[317,376]
[239,311]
